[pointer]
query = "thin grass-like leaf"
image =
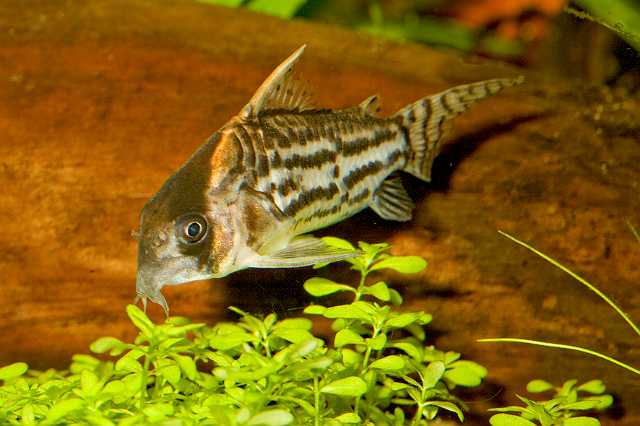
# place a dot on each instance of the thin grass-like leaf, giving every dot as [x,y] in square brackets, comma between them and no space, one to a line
[578,278]
[563,346]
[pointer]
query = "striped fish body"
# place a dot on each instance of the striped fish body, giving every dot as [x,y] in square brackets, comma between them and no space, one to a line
[281,169]
[317,167]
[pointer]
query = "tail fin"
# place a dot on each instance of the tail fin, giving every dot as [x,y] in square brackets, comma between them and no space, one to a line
[425,118]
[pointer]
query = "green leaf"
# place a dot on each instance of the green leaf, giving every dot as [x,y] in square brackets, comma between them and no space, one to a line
[187,365]
[83,362]
[509,420]
[395,297]
[466,373]
[412,350]
[183,329]
[397,386]
[229,341]
[61,409]
[351,311]
[538,386]
[604,401]
[349,418]
[14,370]
[158,412]
[338,243]
[449,406]
[567,387]
[98,420]
[581,421]
[377,343]
[219,399]
[402,320]
[593,386]
[285,9]
[450,357]
[347,337]
[509,409]
[89,382]
[105,344]
[294,323]
[28,417]
[402,264]
[318,287]
[271,418]
[170,371]
[293,335]
[591,403]
[389,363]
[132,382]
[351,358]
[349,386]
[432,374]
[140,320]
[305,347]
[114,387]
[314,365]
[128,363]
[379,290]
[315,310]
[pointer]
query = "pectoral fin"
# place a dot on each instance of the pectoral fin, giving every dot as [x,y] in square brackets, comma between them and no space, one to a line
[391,201]
[304,251]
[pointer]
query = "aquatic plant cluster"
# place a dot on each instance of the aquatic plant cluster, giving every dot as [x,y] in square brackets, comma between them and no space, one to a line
[264,371]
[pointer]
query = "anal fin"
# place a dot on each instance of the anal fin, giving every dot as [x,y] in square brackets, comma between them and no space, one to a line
[391,201]
[304,251]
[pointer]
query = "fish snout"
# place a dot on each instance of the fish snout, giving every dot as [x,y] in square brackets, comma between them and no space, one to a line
[147,289]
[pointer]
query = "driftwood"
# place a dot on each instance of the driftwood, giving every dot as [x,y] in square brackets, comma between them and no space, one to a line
[101,100]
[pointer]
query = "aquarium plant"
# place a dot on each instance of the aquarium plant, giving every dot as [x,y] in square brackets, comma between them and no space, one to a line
[377,368]
[566,408]
[568,401]
[591,287]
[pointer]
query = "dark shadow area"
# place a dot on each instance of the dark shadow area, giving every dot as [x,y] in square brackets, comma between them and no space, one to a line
[263,291]
[616,411]
[456,151]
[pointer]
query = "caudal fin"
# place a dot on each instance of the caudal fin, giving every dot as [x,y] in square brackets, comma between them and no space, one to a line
[425,119]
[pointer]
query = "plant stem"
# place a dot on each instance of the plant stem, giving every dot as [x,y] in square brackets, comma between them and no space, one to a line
[361,285]
[367,354]
[316,397]
[418,416]
[634,231]
[563,346]
[579,278]
[143,380]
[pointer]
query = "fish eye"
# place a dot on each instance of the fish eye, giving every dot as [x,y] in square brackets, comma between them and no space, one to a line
[191,228]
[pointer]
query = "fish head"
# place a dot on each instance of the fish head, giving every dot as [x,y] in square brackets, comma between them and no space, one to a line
[183,230]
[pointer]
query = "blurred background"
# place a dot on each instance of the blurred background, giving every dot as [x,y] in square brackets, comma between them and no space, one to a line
[595,40]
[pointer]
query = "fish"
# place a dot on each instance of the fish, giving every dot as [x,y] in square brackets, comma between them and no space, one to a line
[250,196]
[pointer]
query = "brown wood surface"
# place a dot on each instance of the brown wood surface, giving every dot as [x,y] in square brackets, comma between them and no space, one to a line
[101,100]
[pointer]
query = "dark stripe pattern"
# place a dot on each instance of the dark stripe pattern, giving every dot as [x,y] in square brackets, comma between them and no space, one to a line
[285,155]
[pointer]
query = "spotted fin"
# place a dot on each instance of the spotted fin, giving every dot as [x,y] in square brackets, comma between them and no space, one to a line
[426,119]
[279,90]
[304,251]
[391,201]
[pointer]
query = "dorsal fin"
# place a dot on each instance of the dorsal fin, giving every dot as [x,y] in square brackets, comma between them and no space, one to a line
[371,105]
[279,90]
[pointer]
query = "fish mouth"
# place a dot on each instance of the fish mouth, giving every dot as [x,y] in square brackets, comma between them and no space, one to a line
[148,291]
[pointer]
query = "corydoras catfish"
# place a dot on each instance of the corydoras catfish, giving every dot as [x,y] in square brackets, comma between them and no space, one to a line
[281,168]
